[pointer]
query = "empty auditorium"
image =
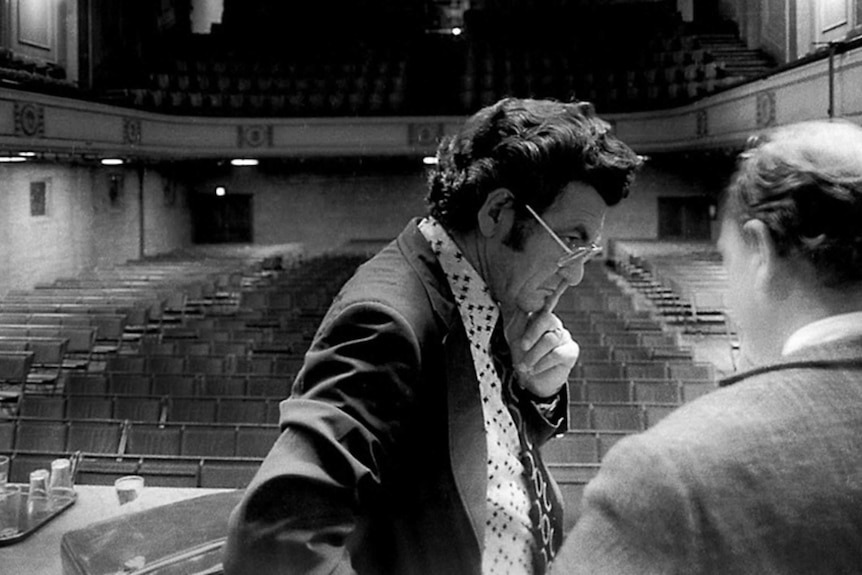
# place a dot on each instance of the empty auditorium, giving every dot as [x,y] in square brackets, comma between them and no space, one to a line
[221,351]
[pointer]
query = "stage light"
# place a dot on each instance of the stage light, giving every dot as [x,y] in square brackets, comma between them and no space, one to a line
[27,154]
[244,162]
[112,161]
[220,191]
[429,160]
[11,159]
[456,31]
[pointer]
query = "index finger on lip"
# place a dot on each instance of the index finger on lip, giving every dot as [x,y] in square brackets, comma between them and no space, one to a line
[552,300]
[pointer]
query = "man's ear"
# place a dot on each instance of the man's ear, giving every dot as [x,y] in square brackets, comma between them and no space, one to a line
[769,269]
[496,216]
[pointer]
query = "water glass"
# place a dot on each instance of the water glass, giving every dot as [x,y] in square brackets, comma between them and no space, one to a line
[10,509]
[37,496]
[60,488]
[4,472]
[128,488]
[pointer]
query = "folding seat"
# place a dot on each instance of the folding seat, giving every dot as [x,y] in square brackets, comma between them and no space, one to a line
[602,370]
[646,370]
[288,364]
[40,435]
[129,384]
[170,472]
[173,384]
[7,435]
[608,391]
[205,365]
[629,353]
[15,365]
[223,385]
[589,353]
[260,365]
[166,364]
[137,408]
[153,439]
[580,417]
[654,413]
[572,447]
[208,440]
[659,339]
[94,436]
[691,390]
[245,410]
[224,348]
[105,469]
[158,347]
[611,417]
[192,409]
[621,338]
[42,406]
[89,407]
[656,391]
[125,364]
[692,371]
[234,474]
[274,387]
[194,348]
[255,441]
[607,439]
[22,464]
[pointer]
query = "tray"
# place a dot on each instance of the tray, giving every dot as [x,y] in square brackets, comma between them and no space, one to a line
[30,523]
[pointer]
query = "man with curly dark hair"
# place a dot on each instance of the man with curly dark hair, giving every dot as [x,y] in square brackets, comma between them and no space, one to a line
[765,474]
[410,442]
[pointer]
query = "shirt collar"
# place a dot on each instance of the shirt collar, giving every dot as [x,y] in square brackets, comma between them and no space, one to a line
[478,310]
[833,328]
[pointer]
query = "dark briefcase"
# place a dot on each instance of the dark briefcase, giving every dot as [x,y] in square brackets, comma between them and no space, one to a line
[182,538]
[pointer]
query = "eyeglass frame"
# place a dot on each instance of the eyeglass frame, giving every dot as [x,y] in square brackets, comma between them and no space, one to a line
[583,252]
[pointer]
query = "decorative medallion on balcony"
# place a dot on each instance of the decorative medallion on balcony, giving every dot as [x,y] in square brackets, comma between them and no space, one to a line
[29,120]
[766,109]
[254,136]
[425,134]
[702,128]
[132,131]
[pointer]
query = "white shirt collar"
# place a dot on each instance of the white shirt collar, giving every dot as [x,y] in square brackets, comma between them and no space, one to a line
[842,326]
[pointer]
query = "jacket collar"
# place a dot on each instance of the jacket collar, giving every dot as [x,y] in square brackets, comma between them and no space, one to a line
[843,354]
[419,256]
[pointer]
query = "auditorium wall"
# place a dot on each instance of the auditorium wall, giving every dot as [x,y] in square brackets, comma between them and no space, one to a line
[327,210]
[91,218]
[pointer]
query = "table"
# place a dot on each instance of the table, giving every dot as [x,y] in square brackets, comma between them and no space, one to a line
[39,554]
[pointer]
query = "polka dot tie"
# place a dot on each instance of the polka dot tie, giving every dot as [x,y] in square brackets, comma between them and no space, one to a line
[512,528]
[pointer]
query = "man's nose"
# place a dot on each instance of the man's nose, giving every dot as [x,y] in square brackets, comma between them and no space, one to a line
[572,273]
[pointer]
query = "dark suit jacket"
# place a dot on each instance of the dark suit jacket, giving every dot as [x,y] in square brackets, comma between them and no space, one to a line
[762,476]
[380,467]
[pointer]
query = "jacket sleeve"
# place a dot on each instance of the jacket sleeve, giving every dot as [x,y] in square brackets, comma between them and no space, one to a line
[304,509]
[543,423]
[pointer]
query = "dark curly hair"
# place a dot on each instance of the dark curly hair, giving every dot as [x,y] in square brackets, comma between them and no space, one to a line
[804,181]
[534,148]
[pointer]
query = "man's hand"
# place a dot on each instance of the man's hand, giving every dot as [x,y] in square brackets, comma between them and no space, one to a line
[543,351]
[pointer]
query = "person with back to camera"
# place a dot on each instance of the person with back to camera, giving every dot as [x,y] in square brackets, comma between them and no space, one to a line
[763,475]
[409,442]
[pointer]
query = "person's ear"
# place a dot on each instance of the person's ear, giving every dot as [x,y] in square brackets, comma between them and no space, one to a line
[496,215]
[768,267]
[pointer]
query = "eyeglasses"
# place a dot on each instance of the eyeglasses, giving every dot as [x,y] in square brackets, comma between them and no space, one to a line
[574,251]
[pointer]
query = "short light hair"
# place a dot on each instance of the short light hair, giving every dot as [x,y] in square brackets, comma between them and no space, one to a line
[804,181]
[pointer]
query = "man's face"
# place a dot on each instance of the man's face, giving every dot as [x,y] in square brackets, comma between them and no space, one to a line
[525,279]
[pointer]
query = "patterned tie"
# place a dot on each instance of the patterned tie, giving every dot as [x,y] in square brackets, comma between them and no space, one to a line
[546,511]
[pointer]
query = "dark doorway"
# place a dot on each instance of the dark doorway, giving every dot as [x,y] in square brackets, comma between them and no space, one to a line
[684,218]
[221,219]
